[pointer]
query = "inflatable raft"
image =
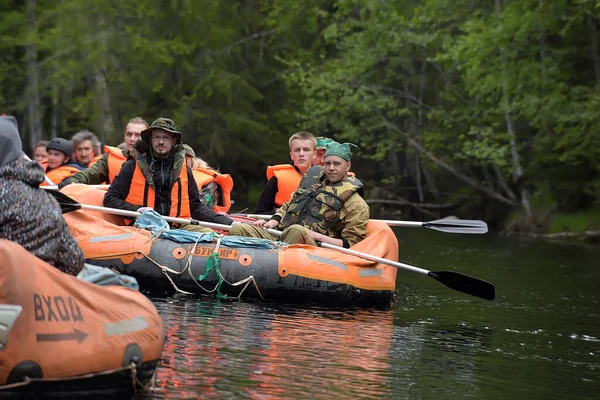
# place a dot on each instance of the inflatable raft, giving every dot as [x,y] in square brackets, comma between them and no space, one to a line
[61,336]
[183,261]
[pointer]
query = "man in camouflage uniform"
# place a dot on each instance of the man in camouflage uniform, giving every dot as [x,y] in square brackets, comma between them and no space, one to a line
[327,207]
[157,177]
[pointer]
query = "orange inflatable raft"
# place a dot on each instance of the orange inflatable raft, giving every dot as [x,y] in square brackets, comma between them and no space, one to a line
[236,266]
[62,336]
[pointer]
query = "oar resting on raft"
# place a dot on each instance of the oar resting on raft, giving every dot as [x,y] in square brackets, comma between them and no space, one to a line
[454,280]
[443,225]
[55,187]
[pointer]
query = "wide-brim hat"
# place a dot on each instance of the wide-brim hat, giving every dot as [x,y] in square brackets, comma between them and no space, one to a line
[166,124]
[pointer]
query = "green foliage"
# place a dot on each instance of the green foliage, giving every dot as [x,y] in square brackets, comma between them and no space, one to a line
[575,222]
[425,87]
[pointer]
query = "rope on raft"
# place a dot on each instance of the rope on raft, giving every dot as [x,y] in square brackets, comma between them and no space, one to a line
[132,367]
[211,263]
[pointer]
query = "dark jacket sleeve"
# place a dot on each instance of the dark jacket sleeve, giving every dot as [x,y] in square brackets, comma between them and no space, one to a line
[266,201]
[119,190]
[199,210]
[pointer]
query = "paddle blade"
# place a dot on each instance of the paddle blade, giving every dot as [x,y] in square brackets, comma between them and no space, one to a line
[464,283]
[66,203]
[457,226]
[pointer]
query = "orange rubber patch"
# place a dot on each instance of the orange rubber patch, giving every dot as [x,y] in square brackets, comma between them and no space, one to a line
[179,253]
[127,258]
[245,260]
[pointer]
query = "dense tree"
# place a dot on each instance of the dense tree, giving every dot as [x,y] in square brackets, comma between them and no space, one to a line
[464,106]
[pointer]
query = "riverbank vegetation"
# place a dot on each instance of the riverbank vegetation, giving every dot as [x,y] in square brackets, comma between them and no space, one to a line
[480,109]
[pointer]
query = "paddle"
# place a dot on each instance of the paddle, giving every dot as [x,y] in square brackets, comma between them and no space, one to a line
[443,225]
[454,280]
[55,187]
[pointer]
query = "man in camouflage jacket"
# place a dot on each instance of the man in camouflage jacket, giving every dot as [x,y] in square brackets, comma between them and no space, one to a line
[327,206]
[28,215]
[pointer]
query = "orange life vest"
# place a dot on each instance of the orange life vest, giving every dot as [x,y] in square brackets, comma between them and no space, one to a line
[204,176]
[288,179]
[57,175]
[115,161]
[142,194]
[95,160]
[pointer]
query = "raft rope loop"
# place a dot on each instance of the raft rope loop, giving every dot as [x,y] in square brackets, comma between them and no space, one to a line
[212,263]
[132,367]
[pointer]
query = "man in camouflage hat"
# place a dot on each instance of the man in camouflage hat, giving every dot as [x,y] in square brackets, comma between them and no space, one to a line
[158,178]
[322,143]
[342,215]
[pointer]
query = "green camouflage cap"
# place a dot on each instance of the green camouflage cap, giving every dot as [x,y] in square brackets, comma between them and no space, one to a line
[188,150]
[166,124]
[323,141]
[342,150]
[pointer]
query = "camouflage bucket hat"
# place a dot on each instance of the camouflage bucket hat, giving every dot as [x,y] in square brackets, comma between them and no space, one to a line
[166,124]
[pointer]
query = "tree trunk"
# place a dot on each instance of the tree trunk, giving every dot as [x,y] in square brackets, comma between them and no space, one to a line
[463,177]
[104,121]
[593,29]
[32,92]
[510,127]
[103,115]
[516,162]
[502,183]
[54,117]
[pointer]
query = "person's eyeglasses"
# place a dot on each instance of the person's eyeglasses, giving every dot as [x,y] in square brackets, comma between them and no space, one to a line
[162,138]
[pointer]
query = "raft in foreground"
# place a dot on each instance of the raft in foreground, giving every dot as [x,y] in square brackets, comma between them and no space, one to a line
[246,267]
[61,336]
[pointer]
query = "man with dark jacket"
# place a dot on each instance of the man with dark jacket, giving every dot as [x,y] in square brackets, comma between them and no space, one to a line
[29,215]
[157,177]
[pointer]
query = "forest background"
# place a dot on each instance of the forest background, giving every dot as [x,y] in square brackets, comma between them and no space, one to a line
[479,109]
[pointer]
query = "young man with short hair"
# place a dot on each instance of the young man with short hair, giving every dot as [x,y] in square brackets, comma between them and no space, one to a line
[283,179]
[60,165]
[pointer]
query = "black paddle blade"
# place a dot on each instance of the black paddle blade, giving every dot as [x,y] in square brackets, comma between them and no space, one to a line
[464,283]
[66,203]
[457,226]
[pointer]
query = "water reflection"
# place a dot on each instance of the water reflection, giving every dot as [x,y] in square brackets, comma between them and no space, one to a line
[216,349]
[539,339]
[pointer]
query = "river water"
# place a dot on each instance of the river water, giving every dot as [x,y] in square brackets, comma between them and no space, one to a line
[540,338]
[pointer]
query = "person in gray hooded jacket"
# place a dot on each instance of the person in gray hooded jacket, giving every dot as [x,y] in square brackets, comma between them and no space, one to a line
[28,215]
